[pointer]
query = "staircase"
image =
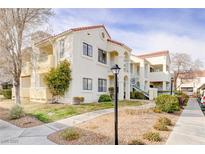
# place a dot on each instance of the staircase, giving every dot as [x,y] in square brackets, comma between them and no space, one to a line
[140,90]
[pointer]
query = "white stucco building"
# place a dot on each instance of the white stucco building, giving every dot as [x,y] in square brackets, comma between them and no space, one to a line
[91,52]
[151,70]
[190,83]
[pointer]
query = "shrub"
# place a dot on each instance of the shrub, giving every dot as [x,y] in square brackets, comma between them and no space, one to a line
[137,95]
[42,117]
[58,79]
[156,110]
[165,120]
[104,98]
[16,112]
[136,142]
[111,91]
[160,126]
[152,136]
[78,100]
[183,98]
[7,93]
[167,103]
[69,134]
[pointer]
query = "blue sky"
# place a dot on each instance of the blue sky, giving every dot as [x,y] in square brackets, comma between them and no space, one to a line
[177,30]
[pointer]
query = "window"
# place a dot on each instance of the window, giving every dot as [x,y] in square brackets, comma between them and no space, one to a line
[87,84]
[62,48]
[102,56]
[102,85]
[87,50]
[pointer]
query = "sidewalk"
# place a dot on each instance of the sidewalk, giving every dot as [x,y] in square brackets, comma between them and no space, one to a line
[10,134]
[190,128]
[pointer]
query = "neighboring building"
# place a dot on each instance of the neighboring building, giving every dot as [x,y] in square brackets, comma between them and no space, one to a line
[191,82]
[151,70]
[91,52]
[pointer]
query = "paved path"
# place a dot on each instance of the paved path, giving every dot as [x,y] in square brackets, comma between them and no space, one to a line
[10,134]
[190,128]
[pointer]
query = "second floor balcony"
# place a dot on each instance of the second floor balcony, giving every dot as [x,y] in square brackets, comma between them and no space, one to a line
[26,69]
[45,63]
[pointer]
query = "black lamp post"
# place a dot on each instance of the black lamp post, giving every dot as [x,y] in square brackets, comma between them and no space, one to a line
[172,80]
[115,70]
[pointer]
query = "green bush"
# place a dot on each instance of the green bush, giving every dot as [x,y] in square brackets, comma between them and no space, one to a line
[104,98]
[69,134]
[1,92]
[111,91]
[7,93]
[165,120]
[167,103]
[42,117]
[137,95]
[58,80]
[160,126]
[16,112]
[152,136]
[136,142]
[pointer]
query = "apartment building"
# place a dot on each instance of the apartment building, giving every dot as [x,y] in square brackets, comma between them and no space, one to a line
[151,70]
[91,52]
[191,82]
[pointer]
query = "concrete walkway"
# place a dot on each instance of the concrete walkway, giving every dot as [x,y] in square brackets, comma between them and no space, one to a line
[10,134]
[190,128]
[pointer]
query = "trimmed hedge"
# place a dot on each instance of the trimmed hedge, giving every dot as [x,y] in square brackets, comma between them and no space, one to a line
[167,103]
[137,95]
[7,93]
[104,98]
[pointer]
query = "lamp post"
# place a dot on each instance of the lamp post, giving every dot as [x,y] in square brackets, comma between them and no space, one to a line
[172,80]
[115,70]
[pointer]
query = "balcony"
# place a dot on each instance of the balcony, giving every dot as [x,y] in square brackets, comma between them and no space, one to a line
[159,76]
[40,94]
[26,69]
[45,63]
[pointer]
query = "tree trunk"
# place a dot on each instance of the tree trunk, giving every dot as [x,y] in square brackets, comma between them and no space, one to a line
[17,93]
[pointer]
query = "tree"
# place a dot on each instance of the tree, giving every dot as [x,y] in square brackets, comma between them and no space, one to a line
[183,63]
[15,27]
[58,80]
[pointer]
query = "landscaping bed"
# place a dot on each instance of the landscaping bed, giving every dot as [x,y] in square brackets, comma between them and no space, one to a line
[133,124]
[39,113]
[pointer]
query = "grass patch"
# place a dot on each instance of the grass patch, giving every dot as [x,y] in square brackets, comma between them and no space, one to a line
[165,121]
[136,142]
[152,136]
[160,126]
[69,134]
[52,112]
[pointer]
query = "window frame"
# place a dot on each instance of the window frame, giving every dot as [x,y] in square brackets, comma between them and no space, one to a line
[62,48]
[101,86]
[89,50]
[87,84]
[100,59]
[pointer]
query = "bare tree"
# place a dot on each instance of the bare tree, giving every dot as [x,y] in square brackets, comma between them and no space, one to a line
[183,63]
[15,26]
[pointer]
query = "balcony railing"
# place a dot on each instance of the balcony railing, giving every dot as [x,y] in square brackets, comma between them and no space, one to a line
[45,63]
[26,69]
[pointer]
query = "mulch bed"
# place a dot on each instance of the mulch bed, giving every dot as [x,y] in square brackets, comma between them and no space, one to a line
[132,125]
[23,122]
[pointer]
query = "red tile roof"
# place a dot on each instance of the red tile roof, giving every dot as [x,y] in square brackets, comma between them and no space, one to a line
[154,54]
[77,29]
[90,27]
[200,73]
[118,43]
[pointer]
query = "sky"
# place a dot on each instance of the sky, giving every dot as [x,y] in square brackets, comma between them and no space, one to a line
[143,30]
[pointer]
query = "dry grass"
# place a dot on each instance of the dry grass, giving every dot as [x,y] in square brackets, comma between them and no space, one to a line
[132,125]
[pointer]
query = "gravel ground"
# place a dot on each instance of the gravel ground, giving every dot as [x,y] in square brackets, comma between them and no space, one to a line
[132,124]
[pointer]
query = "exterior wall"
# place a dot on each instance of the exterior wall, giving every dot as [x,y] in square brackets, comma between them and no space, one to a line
[163,76]
[82,66]
[194,83]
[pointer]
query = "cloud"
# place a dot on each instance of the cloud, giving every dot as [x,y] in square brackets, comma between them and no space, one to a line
[176,30]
